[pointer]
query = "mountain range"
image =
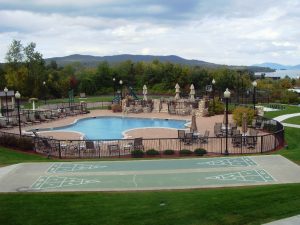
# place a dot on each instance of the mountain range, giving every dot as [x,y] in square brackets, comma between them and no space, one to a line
[277,66]
[92,61]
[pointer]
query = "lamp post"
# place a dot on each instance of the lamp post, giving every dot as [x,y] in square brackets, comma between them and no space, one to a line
[254,83]
[114,80]
[7,114]
[18,96]
[121,83]
[213,93]
[226,96]
[45,94]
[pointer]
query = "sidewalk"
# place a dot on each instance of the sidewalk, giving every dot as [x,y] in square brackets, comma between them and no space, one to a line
[294,220]
[286,116]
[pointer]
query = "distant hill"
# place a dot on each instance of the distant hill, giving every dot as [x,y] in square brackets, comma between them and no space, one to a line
[92,61]
[277,66]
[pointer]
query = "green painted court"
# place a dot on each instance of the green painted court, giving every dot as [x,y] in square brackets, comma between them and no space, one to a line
[149,174]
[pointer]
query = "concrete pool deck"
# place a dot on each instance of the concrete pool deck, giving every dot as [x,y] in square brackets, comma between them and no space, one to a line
[161,174]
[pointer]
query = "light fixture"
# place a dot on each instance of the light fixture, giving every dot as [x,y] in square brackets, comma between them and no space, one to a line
[227,93]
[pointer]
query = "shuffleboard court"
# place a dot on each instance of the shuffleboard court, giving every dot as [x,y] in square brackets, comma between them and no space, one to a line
[149,174]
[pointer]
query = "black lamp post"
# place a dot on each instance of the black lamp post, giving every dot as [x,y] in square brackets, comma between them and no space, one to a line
[45,93]
[226,96]
[121,83]
[18,96]
[7,114]
[213,93]
[254,83]
[114,80]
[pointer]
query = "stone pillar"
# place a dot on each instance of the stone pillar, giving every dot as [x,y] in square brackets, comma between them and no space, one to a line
[156,105]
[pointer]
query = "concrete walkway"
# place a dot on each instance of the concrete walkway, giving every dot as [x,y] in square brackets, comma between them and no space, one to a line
[287,116]
[295,220]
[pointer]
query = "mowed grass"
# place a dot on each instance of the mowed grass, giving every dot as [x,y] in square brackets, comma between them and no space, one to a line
[288,110]
[245,205]
[293,120]
[248,205]
[9,156]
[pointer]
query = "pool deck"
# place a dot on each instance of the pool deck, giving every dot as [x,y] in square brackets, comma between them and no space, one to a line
[203,123]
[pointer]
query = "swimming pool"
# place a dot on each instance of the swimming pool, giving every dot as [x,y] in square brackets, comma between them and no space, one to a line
[113,127]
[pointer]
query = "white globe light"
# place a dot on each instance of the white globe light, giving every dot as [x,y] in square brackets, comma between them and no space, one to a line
[227,93]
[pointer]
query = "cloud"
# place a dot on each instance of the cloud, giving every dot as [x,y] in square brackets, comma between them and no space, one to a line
[227,32]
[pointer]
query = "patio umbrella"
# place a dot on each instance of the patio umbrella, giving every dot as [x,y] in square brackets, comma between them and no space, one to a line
[244,123]
[193,127]
[177,91]
[224,118]
[192,93]
[145,92]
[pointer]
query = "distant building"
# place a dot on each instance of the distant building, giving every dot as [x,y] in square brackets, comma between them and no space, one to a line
[295,89]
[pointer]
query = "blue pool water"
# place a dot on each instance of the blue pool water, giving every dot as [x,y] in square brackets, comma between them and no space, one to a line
[112,127]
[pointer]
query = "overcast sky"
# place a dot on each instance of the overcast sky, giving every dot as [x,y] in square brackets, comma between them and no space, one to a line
[239,32]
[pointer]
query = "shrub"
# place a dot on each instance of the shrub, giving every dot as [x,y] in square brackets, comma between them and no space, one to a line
[152,152]
[169,152]
[238,115]
[14,141]
[200,151]
[116,108]
[137,153]
[219,107]
[185,152]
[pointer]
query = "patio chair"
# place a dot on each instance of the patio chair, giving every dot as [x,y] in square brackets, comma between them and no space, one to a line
[253,133]
[90,147]
[204,139]
[172,109]
[250,142]
[218,130]
[113,148]
[181,135]
[188,138]
[237,140]
[138,144]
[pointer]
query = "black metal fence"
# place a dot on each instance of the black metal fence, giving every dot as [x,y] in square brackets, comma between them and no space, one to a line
[272,139]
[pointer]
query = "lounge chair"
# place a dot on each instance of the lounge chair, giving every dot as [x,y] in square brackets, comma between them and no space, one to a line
[25,121]
[33,119]
[43,118]
[89,148]
[5,125]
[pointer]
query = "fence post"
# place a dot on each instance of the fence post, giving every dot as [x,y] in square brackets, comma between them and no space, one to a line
[261,144]
[221,145]
[59,150]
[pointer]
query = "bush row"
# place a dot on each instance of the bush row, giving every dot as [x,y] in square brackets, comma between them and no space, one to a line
[153,152]
[14,141]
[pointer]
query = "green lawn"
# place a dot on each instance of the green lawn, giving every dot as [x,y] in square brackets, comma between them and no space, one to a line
[248,205]
[8,156]
[288,110]
[293,120]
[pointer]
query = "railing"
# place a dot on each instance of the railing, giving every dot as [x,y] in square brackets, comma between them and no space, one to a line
[123,147]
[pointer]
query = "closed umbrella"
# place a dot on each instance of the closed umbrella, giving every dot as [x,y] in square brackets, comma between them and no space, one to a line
[145,92]
[177,91]
[244,123]
[192,93]
[193,127]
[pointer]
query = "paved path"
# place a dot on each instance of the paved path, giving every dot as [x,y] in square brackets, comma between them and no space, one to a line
[149,174]
[286,116]
[295,220]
